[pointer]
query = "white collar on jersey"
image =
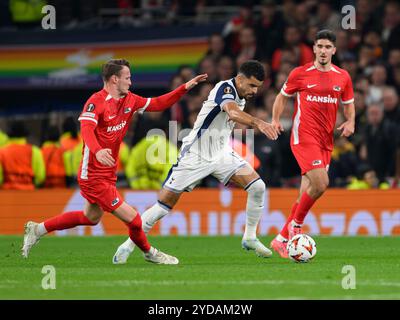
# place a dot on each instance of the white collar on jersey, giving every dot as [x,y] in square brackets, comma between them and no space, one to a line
[331,69]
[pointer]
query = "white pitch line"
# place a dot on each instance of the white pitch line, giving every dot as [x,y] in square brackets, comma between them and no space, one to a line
[110,283]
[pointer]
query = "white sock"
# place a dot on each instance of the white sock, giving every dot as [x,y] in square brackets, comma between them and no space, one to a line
[153,214]
[254,208]
[149,219]
[41,229]
[280,238]
[151,251]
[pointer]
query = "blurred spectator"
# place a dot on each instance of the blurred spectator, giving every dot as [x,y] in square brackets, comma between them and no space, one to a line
[396,77]
[394,58]
[233,27]
[326,17]
[186,72]
[57,161]
[367,180]
[3,138]
[248,46]
[178,111]
[209,66]
[21,164]
[391,105]
[288,9]
[343,162]
[391,26]
[204,90]
[225,68]
[280,80]
[147,121]
[342,46]
[361,118]
[268,153]
[293,42]
[366,58]
[372,40]
[380,139]
[70,137]
[362,84]
[27,13]
[378,82]
[301,17]
[365,19]
[149,162]
[349,63]
[216,47]
[269,29]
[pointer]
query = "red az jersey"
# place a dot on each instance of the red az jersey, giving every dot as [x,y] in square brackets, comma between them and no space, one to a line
[316,104]
[110,119]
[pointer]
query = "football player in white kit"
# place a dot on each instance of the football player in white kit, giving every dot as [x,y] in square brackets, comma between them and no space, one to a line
[206,151]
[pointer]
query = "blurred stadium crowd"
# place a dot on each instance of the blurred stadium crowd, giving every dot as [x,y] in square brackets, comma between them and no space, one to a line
[279,34]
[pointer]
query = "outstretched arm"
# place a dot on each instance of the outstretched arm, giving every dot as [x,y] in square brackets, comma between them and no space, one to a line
[277,109]
[169,99]
[237,115]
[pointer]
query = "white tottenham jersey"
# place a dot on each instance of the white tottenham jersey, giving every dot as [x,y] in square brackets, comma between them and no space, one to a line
[213,128]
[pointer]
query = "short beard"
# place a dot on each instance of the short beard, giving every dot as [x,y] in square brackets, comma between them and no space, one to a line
[323,63]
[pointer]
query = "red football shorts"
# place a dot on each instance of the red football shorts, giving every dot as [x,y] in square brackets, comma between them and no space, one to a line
[311,156]
[103,193]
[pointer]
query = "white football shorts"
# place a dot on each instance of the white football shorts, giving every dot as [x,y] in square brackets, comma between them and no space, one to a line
[191,169]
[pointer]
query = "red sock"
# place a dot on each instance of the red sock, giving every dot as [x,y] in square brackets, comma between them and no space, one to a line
[137,234]
[285,232]
[305,204]
[67,220]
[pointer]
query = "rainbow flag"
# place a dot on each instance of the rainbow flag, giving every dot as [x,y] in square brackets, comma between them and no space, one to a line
[76,65]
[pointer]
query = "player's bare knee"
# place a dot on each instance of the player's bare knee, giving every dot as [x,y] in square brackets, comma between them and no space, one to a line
[319,187]
[95,221]
[93,217]
[168,197]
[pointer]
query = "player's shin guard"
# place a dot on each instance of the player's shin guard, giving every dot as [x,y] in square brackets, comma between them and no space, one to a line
[137,235]
[255,207]
[63,221]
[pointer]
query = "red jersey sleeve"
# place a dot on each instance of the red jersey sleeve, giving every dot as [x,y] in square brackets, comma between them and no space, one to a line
[89,118]
[347,94]
[91,111]
[291,86]
[159,103]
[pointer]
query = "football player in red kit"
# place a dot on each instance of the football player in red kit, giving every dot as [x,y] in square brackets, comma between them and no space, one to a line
[104,122]
[317,87]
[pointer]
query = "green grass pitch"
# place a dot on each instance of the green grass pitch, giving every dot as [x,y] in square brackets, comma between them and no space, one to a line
[210,268]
